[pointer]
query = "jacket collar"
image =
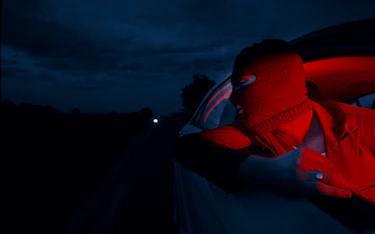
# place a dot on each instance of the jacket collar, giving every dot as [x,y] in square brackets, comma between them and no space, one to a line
[333,120]
[331,117]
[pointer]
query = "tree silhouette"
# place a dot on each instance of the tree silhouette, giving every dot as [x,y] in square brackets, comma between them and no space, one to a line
[193,93]
[6,104]
[147,112]
[49,110]
[75,111]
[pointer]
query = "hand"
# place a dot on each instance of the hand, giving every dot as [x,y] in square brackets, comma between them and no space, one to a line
[304,172]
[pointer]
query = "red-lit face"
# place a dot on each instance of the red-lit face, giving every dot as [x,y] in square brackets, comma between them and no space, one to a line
[268,87]
[239,88]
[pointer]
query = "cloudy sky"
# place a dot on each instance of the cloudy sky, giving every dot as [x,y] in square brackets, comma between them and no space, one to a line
[122,55]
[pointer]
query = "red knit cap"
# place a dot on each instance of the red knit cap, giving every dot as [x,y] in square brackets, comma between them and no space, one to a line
[277,93]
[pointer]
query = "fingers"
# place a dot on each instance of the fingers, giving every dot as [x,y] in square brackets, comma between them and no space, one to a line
[313,176]
[312,154]
[319,188]
[334,178]
[328,176]
[310,158]
[313,161]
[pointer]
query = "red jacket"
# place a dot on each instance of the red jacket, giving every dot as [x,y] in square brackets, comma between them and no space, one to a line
[349,133]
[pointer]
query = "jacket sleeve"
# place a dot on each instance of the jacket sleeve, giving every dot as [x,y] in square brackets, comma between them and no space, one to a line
[362,120]
[366,123]
[214,154]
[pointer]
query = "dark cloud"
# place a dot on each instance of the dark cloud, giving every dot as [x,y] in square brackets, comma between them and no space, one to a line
[60,47]
[87,87]
[5,62]
[27,28]
[15,72]
[98,46]
[178,64]
[45,76]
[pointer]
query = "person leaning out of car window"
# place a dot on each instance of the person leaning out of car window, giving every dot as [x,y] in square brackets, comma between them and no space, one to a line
[283,141]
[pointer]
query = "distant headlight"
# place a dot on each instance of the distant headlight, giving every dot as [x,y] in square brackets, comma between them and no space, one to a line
[155,120]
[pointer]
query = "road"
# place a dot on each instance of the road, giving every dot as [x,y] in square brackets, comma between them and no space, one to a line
[136,196]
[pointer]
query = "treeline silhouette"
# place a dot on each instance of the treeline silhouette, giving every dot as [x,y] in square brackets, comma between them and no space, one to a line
[56,159]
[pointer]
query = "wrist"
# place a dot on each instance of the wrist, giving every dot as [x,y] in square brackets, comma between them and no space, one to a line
[255,170]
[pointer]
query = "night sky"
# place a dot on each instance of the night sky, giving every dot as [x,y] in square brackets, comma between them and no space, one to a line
[123,55]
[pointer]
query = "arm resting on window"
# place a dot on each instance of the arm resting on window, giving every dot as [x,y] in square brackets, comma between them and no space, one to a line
[220,155]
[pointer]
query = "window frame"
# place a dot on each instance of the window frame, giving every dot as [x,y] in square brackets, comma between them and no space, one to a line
[199,114]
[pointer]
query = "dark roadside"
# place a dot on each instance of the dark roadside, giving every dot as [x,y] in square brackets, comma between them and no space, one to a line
[149,206]
[137,195]
[56,161]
